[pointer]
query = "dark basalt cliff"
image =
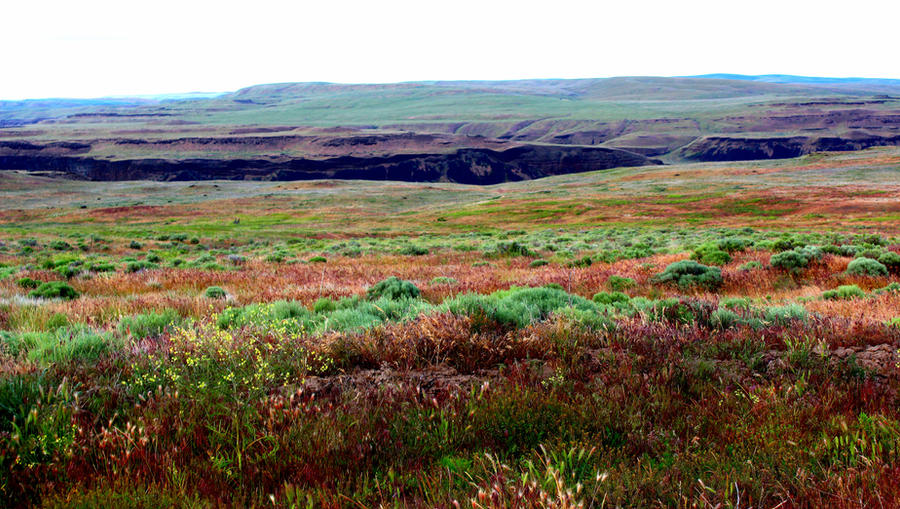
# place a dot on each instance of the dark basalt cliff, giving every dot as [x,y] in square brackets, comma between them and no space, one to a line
[721,148]
[466,166]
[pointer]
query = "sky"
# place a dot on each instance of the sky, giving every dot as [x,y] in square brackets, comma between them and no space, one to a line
[98,48]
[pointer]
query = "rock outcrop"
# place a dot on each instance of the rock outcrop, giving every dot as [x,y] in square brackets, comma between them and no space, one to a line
[730,148]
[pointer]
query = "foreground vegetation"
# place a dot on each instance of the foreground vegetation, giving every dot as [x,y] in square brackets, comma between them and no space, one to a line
[178,362]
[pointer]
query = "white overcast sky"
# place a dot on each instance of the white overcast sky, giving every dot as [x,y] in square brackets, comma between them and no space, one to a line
[93,48]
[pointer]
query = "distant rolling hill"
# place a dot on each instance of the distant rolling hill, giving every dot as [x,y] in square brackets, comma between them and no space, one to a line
[427,129]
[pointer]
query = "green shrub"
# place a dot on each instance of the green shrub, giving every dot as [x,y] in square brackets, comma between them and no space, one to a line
[796,258]
[891,261]
[215,292]
[236,259]
[611,298]
[584,261]
[5,272]
[734,244]
[392,288]
[538,263]
[132,267]
[710,254]
[518,306]
[687,273]
[276,257]
[28,283]
[619,283]
[60,245]
[67,271]
[135,245]
[317,259]
[844,292]
[866,267]
[414,250]
[513,248]
[148,324]
[873,253]
[153,258]
[891,288]
[101,267]
[842,250]
[54,290]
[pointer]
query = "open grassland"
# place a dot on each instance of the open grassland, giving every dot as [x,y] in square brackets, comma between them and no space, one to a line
[705,335]
[834,192]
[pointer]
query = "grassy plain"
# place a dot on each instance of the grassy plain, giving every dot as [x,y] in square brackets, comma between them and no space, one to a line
[546,343]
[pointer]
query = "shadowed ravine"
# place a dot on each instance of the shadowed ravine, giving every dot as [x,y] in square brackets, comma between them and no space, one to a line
[466,166]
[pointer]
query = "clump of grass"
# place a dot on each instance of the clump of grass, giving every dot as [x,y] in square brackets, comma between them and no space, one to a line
[740,303]
[751,265]
[785,315]
[56,321]
[724,318]
[54,290]
[147,325]
[317,259]
[324,305]
[538,263]
[443,280]
[844,292]
[60,346]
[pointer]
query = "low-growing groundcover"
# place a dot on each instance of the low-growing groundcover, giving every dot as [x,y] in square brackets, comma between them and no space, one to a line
[468,375]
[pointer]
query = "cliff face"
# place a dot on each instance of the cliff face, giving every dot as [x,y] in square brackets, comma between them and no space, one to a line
[467,166]
[720,148]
